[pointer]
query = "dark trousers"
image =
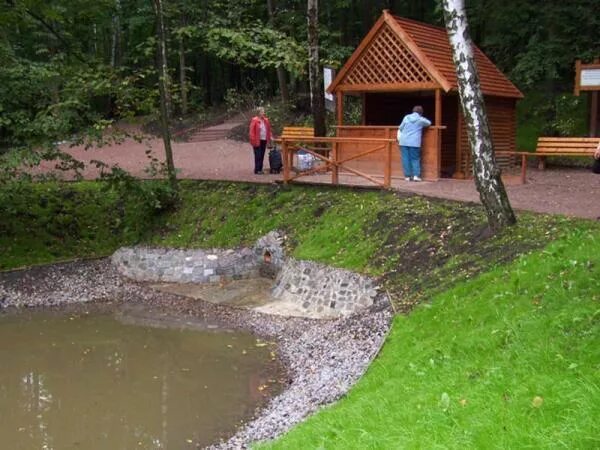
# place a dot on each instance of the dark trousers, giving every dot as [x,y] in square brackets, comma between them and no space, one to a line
[259,156]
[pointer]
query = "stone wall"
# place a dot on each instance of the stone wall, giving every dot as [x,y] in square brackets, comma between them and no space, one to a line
[185,266]
[269,254]
[322,290]
[300,287]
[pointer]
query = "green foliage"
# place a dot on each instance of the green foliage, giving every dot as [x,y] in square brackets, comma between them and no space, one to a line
[45,222]
[506,360]
[539,114]
[257,46]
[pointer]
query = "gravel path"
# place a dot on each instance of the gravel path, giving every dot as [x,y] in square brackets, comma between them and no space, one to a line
[323,359]
[572,192]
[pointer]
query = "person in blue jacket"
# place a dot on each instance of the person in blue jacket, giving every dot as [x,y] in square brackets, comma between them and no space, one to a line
[410,133]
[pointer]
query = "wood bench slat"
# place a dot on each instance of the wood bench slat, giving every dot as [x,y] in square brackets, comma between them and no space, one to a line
[567,145]
[297,132]
[562,154]
[569,139]
[564,150]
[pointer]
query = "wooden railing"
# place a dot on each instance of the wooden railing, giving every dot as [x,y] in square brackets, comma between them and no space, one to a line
[325,151]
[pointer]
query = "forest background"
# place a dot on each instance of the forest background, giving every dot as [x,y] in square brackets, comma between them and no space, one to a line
[70,68]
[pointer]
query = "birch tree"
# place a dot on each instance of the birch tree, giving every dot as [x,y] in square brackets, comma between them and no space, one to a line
[314,69]
[163,86]
[485,169]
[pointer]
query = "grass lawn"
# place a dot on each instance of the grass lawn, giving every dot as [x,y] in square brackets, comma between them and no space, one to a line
[510,359]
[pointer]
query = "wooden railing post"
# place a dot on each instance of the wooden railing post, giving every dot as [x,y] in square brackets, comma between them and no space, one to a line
[334,168]
[286,161]
[387,171]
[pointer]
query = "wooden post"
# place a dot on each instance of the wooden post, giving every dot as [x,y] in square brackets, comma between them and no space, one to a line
[339,98]
[334,168]
[458,173]
[594,115]
[286,161]
[387,173]
[594,109]
[438,107]
[363,109]
[523,169]
[438,123]
[577,77]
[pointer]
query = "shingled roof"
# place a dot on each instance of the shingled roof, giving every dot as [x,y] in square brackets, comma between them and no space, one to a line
[400,54]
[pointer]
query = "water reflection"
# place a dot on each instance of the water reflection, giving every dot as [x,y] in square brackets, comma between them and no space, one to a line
[92,382]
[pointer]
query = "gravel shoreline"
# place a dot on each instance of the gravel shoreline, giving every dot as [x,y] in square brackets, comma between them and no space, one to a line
[322,358]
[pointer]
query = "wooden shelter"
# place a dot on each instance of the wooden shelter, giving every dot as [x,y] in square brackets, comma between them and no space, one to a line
[401,63]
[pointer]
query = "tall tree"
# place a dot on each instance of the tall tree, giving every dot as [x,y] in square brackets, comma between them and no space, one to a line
[182,75]
[315,75]
[163,86]
[281,78]
[486,171]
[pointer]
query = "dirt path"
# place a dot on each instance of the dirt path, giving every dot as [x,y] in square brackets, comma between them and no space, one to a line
[572,192]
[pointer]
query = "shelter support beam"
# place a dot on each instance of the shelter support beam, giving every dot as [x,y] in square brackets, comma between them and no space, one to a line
[339,107]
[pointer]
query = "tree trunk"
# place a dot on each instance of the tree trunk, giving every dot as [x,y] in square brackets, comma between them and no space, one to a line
[163,86]
[485,170]
[182,77]
[281,78]
[317,99]
[115,48]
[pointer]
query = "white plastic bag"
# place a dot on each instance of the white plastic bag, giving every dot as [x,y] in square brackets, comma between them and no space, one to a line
[306,161]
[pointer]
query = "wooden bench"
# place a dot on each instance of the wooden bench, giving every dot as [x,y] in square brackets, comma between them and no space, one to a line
[297,132]
[556,146]
[564,146]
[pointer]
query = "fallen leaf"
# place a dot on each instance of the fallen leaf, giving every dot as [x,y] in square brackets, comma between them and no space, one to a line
[445,401]
[537,401]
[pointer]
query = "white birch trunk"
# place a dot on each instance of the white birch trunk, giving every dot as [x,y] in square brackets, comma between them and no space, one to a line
[485,170]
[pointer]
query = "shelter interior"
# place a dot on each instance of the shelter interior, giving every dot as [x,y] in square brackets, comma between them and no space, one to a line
[389,108]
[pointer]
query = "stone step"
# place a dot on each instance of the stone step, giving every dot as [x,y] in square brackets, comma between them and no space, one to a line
[208,136]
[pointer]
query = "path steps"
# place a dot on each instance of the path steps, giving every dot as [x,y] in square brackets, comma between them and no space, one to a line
[217,132]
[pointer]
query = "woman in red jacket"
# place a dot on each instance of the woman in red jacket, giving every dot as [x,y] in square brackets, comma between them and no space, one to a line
[260,135]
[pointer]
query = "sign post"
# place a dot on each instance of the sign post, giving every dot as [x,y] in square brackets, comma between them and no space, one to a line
[328,77]
[587,78]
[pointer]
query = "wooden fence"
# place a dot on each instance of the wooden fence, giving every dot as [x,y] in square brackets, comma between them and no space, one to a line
[328,157]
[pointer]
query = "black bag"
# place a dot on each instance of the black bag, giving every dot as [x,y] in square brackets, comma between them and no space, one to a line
[275,161]
[596,166]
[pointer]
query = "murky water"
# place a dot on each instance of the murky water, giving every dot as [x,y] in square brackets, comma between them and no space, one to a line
[90,381]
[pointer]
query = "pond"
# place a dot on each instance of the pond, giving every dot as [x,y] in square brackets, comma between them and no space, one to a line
[100,380]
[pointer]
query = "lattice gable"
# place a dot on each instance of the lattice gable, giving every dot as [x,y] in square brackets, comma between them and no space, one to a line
[387,60]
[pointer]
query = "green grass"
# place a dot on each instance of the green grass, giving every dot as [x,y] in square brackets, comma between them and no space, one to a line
[510,359]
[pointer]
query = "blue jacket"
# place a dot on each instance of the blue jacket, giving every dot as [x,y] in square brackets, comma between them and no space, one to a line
[410,130]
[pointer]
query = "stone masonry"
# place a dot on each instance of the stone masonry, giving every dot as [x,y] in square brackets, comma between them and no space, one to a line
[185,266]
[314,289]
[322,290]
[269,254]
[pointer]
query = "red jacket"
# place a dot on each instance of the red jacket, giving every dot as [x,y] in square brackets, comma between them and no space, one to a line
[255,131]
